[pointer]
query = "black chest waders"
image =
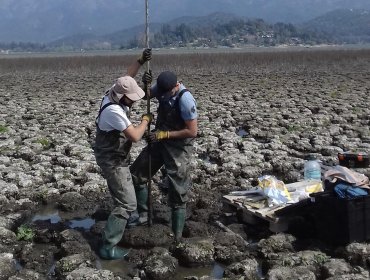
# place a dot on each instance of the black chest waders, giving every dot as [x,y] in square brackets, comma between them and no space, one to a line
[112,150]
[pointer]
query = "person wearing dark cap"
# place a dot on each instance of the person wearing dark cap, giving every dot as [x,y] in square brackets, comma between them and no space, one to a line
[171,146]
[114,136]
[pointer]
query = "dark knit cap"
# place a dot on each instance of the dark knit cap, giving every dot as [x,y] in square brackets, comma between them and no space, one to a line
[166,81]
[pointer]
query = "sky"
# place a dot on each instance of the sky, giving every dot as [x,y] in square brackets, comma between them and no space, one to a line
[48,20]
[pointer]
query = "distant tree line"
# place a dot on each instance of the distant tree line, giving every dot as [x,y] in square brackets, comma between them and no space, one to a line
[24,46]
[234,33]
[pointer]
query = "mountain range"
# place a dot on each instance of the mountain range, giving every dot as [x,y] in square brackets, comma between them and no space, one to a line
[344,23]
[122,37]
[44,21]
[339,26]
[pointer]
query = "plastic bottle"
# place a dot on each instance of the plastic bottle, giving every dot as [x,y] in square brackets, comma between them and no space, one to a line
[312,169]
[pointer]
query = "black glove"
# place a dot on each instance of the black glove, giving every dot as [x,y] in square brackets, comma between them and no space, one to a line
[147,78]
[145,56]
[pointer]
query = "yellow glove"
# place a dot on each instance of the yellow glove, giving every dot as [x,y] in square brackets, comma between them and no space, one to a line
[147,117]
[159,135]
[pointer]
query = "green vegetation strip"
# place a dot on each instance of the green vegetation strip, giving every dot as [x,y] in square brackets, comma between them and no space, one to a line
[3,129]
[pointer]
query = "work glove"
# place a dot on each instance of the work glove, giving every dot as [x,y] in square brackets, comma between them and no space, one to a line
[147,78]
[145,56]
[147,117]
[159,135]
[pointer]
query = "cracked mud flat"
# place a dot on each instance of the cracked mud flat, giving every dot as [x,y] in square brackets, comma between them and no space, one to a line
[259,113]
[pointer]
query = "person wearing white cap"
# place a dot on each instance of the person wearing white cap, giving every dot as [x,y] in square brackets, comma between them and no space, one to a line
[114,136]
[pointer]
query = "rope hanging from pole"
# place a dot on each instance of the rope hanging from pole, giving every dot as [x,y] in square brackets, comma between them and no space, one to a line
[149,184]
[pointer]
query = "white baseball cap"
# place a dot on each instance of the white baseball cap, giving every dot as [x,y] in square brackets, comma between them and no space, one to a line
[127,86]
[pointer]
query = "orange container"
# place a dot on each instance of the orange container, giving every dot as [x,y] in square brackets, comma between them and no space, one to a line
[353,160]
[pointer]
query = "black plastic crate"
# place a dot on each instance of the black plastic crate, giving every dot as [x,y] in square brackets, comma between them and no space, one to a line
[353,160]
[341,221]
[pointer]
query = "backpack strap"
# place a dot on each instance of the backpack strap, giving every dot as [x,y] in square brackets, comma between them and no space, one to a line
[102,109]
[180,95]
[105,106]
[182,92]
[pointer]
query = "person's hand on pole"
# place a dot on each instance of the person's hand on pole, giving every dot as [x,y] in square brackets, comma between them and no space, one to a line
[147,78]
[147,117]
[145,56]
[159,135]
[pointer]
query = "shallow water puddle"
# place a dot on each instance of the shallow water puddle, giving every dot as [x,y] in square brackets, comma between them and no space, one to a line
[85,223]
[205,158]
[47,213]
[242,132]
[50,212]
[18,265]
[117,266]
[216,272]
[123,267]
[260,272]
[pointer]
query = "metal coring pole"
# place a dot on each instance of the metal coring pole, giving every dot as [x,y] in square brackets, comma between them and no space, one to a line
[149,184]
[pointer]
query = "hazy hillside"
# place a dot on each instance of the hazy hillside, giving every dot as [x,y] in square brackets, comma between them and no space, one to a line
[346,24]
[343,22]
[219,30]
[123,36]
[45,20]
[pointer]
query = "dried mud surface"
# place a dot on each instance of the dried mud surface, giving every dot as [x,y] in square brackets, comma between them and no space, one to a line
[258,114]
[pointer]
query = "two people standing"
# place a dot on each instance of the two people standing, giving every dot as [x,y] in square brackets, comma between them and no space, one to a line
[175,129]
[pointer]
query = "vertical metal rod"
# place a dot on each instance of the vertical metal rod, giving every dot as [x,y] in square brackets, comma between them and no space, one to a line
[149,184]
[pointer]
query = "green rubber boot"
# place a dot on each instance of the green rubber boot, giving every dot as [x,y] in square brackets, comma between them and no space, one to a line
[142,208]
[178,221]
[112,234]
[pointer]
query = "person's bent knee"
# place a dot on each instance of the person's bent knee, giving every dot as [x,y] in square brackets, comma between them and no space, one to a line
[122,212]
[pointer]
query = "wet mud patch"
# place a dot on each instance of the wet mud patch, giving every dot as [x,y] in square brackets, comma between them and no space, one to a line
[156,235]
[64,239]
[123,268]
[289,103]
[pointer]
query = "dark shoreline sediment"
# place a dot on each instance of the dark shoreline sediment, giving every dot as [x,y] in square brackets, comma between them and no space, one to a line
[259,113]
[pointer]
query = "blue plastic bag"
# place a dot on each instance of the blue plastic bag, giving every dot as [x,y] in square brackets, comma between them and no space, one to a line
[344,190]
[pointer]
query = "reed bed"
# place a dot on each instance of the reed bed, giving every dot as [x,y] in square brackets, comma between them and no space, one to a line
[197,62]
